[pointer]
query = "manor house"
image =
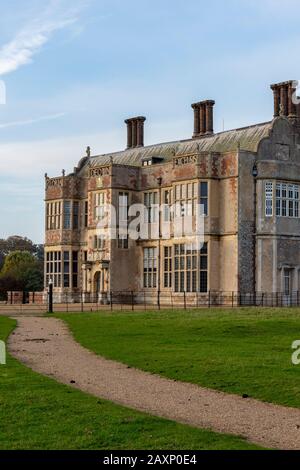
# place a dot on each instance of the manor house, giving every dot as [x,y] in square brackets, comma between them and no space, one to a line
[247,181]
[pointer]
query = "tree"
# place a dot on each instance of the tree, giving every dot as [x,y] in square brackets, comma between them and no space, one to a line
[24,269]
[17,243]
[33,279]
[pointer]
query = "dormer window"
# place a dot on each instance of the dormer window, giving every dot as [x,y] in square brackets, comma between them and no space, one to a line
[152,161]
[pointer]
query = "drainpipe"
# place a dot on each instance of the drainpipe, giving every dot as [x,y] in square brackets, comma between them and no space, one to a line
[159,180]
[255,175]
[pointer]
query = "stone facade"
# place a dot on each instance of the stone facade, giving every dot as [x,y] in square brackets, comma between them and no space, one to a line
[252,236]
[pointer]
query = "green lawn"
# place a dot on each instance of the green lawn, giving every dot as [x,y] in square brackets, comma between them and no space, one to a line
[244,351]
[38,413]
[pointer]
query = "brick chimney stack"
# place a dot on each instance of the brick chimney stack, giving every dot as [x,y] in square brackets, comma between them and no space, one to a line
[203,118]
[284,94]
[135,132]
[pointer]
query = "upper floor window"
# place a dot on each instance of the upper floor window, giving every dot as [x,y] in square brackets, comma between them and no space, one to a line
[269,199]
[99,206]
[287,200]
[85,214]
[123,221]
[151,205]
[75,215]
[99,242]
[187,198]
[53,215]
[204,196]
[167,202]
[67,215]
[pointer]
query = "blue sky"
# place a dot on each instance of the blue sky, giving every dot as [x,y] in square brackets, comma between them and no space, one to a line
[75,69]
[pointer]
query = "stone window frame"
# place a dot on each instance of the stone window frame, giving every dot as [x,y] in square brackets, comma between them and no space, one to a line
[150,267]
[123,240]
[70,218]
[168,267]
[76,215]
[188,194]
[167,201]
[99,201]
[99,243]
[75,268]
[269,198]
[53,268]
[67,214]
[151,203]
[85,213]
[287,200]
[287,281]
[53,215]
[204,196]
[190,268]
[62,267]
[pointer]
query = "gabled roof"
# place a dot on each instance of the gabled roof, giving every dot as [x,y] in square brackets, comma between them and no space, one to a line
[246,138]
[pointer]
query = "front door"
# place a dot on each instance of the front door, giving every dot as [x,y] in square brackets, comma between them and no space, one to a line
[97,282]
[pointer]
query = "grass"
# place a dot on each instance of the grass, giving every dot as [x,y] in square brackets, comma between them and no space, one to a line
[38,413]
[243,351]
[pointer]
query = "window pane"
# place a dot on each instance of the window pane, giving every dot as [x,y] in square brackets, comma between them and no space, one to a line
[67,215]
[203,189]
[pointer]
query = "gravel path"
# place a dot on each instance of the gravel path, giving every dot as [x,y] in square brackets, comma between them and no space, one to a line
[46,346]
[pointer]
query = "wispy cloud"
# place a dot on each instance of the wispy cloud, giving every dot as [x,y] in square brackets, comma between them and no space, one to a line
[27,122]
[33,36]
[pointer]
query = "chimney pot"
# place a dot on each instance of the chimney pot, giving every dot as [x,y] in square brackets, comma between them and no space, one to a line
[210,117]
[203,118]
[135,132]
[283,99]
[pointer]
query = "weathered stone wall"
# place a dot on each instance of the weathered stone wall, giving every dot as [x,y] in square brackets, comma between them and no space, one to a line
[246,258]
[278,238]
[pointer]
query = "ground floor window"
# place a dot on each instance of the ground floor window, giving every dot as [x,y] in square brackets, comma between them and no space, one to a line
[150,267]
[66,269]
[62,268]
[287,281]
[53,268]
[190,268]
[167,266]
[75,269]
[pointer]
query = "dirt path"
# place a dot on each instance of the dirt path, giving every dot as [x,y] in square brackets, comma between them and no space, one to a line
[46,346]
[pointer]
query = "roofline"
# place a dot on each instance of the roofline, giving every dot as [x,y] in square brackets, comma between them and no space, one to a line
[183,140]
